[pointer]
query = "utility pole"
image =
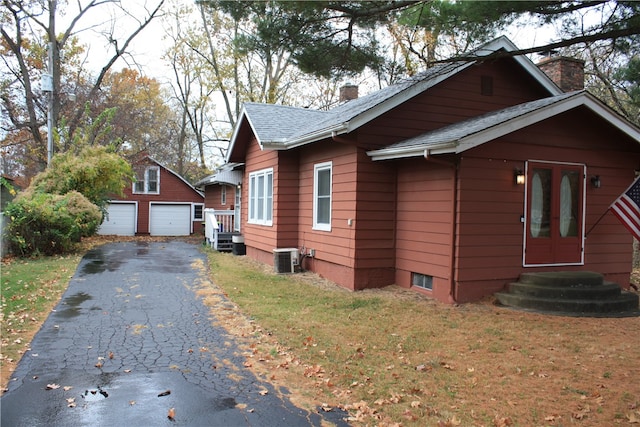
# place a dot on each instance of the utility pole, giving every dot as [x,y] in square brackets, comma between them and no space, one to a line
[53,78]
[52,45]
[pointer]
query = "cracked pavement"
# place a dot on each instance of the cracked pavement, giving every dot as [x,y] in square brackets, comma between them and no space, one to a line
[130,342]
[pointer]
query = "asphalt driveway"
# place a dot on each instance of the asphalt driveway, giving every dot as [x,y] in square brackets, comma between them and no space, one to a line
[131,343]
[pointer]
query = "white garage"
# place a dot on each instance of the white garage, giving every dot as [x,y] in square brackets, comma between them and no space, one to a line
[170,219]
[120,219]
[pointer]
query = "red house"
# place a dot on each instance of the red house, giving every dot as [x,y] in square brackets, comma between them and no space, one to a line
[454,182]
[159,203]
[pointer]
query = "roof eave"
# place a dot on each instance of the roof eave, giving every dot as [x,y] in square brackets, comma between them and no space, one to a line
[422,150]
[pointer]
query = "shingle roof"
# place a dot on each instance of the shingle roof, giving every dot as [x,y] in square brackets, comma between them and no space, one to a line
[276,123]
[472,132]
[282,127]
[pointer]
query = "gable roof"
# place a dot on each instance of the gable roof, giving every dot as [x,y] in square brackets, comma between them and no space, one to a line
[280,127]
[475,131]
[227,174]
[170,171]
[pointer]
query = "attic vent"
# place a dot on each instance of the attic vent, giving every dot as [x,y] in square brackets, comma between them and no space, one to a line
[486,85]
[285,260]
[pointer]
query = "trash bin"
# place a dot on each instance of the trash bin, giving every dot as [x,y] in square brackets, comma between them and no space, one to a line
[237,245]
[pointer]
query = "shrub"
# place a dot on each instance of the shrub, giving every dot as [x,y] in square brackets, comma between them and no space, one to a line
[48,224]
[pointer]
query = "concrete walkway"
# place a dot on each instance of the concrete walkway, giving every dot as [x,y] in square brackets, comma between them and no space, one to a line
[130,340]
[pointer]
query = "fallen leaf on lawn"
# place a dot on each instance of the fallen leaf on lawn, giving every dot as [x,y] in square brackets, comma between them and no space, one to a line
[632,418]
[501,421]
[71,399]
[67,388]
[98,365]
[416,404]
[52,387]
[132,402]
[172,414]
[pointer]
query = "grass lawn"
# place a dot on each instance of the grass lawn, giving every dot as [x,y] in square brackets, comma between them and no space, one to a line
[390,356]
[395,358]
[29,291]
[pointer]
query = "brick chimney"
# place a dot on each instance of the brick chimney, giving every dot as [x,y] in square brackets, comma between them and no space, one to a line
[348,92]
[566,73]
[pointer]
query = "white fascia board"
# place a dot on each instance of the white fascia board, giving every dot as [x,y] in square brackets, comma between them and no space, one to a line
[413,151]
[505,43]
[234,135]
[402,97]
[309,138]
[581,99]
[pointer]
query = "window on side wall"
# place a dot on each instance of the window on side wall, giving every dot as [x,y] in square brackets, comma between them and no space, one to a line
[322,196]
[148,181]
[198,210]
[223,195]
[261,197]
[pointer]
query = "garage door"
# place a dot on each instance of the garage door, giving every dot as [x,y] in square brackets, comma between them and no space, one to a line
[120,220]
[170,220]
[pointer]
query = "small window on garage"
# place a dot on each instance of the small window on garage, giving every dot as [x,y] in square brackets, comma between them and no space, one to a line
[198,209]
[422,281]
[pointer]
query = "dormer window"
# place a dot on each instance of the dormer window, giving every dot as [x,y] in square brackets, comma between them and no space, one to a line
[147,181]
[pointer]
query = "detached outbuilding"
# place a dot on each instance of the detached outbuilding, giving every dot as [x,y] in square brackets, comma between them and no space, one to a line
[454,182]
[159,203]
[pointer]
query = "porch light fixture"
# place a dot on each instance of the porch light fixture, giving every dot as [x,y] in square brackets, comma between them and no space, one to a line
[595,181]
[519,176]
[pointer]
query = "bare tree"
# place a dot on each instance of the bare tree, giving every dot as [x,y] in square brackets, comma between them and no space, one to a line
[26,26]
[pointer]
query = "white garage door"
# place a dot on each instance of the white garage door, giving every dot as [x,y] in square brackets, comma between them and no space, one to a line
[120,220]
[170,220]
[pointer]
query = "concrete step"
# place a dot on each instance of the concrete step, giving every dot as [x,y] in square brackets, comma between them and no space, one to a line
[563,278]
[602,291]
[624,302]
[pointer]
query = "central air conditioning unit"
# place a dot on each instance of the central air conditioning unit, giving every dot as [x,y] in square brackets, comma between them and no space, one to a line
[285,260]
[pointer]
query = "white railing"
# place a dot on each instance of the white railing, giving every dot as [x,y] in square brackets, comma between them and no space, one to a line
[216,222]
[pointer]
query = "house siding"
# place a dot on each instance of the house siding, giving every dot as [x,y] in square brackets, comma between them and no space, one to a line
[489,247]
[172,190]
[259,238]
[213,197]
[425,223]
[457,98]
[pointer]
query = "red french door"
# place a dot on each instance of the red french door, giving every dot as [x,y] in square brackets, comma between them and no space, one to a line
[554,226]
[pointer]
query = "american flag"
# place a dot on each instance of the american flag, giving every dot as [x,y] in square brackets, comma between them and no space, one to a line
[627,208]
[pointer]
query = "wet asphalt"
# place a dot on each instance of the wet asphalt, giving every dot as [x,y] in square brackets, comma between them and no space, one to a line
[130,340]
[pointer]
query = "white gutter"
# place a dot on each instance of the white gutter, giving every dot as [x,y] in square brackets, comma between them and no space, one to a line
[413,151]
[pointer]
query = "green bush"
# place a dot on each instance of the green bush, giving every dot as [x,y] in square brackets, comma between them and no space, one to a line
[48,224]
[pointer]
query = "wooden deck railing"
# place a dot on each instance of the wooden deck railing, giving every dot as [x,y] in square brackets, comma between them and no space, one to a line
[219,227]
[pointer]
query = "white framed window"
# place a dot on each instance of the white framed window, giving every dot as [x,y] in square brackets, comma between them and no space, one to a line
[261,197]
[322,196]
[223,195]
[198,212]
[148,181]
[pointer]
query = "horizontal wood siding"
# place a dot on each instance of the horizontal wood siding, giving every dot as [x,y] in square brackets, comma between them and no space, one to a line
[424,222]
[490,233]
[375,223]
[333,249]
[453,100]
[213,197]
[172,190]
[261,237]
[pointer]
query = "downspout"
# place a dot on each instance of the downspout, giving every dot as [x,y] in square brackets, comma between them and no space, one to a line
[452,255]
